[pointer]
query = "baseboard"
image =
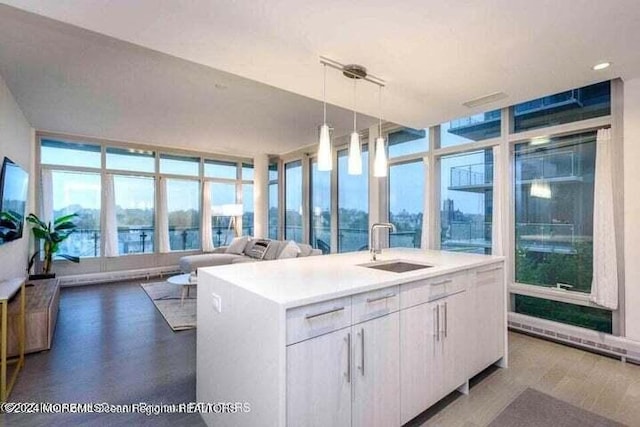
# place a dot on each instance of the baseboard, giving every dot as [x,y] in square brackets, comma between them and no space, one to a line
[114,276]
[620,347]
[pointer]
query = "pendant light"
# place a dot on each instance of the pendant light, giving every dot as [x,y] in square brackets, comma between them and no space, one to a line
[380,160]
[325,159]
[354,163]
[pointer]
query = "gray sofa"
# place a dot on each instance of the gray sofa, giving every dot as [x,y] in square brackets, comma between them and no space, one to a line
[219,256]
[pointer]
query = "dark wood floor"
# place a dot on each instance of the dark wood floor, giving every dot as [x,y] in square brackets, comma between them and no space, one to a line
[110,345]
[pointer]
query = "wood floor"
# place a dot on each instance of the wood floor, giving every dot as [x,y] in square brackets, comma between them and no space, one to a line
[111,345]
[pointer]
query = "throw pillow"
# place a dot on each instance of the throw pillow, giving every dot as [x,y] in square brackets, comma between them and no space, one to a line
[291,250]
[237,245]
[259,248]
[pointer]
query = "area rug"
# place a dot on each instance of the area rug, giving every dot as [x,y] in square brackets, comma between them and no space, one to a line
[536,409]
[166,298]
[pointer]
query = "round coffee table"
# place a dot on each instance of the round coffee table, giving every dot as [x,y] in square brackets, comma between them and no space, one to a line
[184,281]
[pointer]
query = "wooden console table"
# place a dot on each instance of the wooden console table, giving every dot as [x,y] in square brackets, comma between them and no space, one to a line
[7,290]
[41,313]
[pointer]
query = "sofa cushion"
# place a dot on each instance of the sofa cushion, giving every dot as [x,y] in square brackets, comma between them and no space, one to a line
[243,259]
[191,263]
[250,244]
[259,249]
[274,250]
[305,250]
[237,245]
[290,250]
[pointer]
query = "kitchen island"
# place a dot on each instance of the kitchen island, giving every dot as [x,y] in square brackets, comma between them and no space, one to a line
[339,340]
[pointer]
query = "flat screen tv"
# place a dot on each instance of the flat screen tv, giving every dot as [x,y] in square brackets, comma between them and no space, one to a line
[14,183]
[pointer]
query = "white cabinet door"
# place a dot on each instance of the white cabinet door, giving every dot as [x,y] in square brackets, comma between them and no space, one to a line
[455,336]
[376,377]
[318,381]
[420,359]
[488,311]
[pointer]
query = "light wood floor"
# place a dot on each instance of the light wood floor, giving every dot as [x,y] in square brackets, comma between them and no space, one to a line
[112,345]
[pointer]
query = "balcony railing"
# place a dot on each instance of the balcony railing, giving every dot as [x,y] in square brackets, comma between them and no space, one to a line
[548,165]
[476,119]
[470,175]
[546,237]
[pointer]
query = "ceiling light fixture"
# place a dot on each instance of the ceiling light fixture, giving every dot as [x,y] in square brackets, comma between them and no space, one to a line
[354,161]
[380,160]
[601,66]
[325,162]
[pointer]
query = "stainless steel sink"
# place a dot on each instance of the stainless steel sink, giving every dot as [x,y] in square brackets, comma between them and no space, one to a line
[396,266]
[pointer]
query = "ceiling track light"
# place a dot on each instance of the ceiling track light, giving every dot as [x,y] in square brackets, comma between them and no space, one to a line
[354,163]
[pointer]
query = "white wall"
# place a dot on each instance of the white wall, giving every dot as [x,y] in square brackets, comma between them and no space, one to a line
[16,142]
[632,207]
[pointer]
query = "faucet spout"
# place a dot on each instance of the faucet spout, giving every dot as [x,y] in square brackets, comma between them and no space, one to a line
[374,242]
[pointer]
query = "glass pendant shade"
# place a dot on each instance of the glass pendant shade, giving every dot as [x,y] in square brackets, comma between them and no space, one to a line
[380,160]
[325,162]
[354,165]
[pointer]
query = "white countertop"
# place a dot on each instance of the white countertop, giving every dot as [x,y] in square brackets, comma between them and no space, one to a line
[301,281]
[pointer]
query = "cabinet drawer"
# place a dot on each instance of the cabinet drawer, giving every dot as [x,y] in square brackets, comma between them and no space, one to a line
[489,275]
[370,305]
[422,291]
[317,319]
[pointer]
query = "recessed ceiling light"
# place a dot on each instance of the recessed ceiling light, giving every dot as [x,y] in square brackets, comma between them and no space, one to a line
[601,66]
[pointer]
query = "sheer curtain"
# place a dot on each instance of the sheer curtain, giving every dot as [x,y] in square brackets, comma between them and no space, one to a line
[497,220]
[426,212]
[110,221]
[205,226]
[604,288]
[164,245]
[47,195]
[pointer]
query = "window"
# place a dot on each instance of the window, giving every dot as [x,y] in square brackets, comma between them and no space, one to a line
[577,315]
[407,141]
[554,184]
[406,203]
[466,202]
[320,215]
[470,129]
[353,205]
[564,107]
[293,201]
[70,154]
[126,159]
[247,209]
[273,201]
[183,202]
[135,205]
[178,165]
[220,169]
[79,193]
[247,172]
[222,194]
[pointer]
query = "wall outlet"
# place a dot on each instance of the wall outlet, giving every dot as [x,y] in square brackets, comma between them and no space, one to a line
[216,300]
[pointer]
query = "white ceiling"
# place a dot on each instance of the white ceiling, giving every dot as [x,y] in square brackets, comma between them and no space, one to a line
[67,79]
[435,54]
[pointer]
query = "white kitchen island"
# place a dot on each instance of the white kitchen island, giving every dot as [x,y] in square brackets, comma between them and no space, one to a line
[327,341]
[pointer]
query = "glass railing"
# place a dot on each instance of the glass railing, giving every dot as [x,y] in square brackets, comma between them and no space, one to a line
[546,237]
[470,175]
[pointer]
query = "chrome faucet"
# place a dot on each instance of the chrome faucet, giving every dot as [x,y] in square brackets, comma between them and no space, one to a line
[374,244]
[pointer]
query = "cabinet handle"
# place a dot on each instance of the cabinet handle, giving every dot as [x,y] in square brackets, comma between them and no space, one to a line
[438,322]
[333,310]
[391,295]
[348,339]
[446,320]
[442,282]
[488,270]
[361,367]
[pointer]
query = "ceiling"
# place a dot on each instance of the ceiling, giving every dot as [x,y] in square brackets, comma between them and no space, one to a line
[434,54]
[70,80]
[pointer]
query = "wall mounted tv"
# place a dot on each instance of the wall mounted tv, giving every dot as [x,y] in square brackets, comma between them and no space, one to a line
[14,183]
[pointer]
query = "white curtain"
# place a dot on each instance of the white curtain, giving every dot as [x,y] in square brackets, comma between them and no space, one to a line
[604,288]
[426,211]
[110,222]
[205,226]
[163,219]
[47,196]
[497,220]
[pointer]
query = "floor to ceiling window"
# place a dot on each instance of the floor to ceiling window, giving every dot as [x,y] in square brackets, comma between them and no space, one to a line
[406,203]
[320,209]
[466,189]
[273,201]
[135,213]
[183,204]
[353,204]
[247,199]
[293,201]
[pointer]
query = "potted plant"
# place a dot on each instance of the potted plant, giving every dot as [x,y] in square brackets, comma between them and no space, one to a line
[52,234]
